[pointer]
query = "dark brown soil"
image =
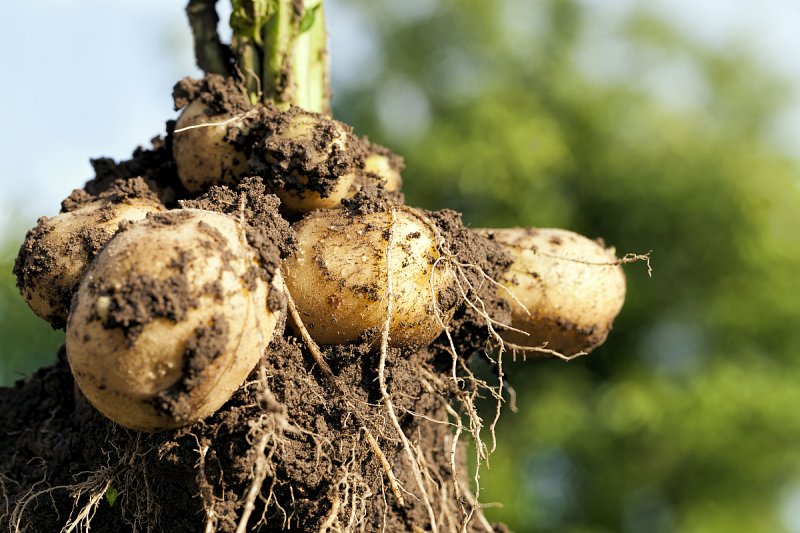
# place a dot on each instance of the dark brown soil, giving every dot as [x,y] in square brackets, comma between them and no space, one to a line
[305,444]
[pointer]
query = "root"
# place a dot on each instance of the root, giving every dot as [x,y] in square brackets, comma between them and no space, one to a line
[387,400]
[316,353]
[393,483]
[93,489]
[234,118]
[542,349]
[624,260]
[268,428]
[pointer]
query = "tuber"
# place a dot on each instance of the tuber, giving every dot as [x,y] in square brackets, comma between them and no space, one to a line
[57,252]
[571,288]
[339,276]
[169,320]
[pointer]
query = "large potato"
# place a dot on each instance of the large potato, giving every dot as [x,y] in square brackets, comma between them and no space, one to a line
[57,252]
[572,286]
[338,276]
[169,320]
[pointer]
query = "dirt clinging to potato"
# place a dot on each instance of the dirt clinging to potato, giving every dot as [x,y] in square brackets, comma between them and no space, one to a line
[316,456]
[321,444]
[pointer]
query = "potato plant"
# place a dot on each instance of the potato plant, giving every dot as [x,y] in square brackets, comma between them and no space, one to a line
[280,336]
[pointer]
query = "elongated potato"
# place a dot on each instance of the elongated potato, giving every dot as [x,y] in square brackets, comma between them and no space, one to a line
[57,252]
[169,320]
[338,276]
[203,149]
[572,286]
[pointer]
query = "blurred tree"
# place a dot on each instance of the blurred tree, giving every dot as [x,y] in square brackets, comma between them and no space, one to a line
[547,114]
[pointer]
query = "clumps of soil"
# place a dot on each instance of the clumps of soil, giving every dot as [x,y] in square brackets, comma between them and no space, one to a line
[267,231]
[305,441]
[371,198]
[154,165]
[301,162]
[479,262]
[118,191]
[143,299]
[220,94]
[199,352]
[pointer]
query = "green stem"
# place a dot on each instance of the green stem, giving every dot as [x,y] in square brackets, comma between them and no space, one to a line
[280,47]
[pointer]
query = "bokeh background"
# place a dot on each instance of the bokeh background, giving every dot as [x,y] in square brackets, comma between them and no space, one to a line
[666,125]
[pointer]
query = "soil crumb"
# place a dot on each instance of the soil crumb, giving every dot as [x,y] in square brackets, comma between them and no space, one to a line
[309,440]
[478,260]
[154,165]
[267,231]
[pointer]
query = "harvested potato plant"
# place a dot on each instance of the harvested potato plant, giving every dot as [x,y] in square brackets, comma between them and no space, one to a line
[181,403]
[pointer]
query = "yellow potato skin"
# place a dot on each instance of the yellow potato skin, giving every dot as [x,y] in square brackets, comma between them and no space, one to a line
[338,276]
[300,130]
[308,200]
[49,293]
[202,155]
[572,286]
[381,166]
[123,375]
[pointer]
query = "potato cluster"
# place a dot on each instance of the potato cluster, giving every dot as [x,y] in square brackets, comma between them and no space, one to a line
[168,308]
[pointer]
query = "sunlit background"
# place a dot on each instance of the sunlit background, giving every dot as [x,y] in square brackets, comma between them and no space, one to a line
[667,125]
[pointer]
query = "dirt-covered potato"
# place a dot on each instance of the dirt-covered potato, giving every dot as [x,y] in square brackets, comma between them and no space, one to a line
[572,286]
[57,252]
[309,159]
[202,148]
[385,165]
[169,320]
[338,276]
[381,167]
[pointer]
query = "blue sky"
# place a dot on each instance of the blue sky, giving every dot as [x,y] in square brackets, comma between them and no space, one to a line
[93,78]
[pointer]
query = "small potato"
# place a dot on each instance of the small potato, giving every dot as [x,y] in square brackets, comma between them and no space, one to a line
[57,252]
[204,155]
[338,276]
[169,320]
[381,166]
[311,158]
[573,287]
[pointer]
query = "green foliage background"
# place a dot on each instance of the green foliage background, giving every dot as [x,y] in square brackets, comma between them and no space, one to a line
[688,419]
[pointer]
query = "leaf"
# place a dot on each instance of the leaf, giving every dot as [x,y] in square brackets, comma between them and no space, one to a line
[111,495]
[308,18]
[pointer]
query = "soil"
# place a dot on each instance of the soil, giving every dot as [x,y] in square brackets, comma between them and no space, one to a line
[305,444]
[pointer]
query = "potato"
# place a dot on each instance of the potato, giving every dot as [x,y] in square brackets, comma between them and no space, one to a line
[573,287]
[57,252]
[381,166]
[338,276]
[311,160]
[204,156]
[169,320]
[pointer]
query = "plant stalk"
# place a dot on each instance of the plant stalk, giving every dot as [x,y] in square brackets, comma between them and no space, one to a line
[278,48]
